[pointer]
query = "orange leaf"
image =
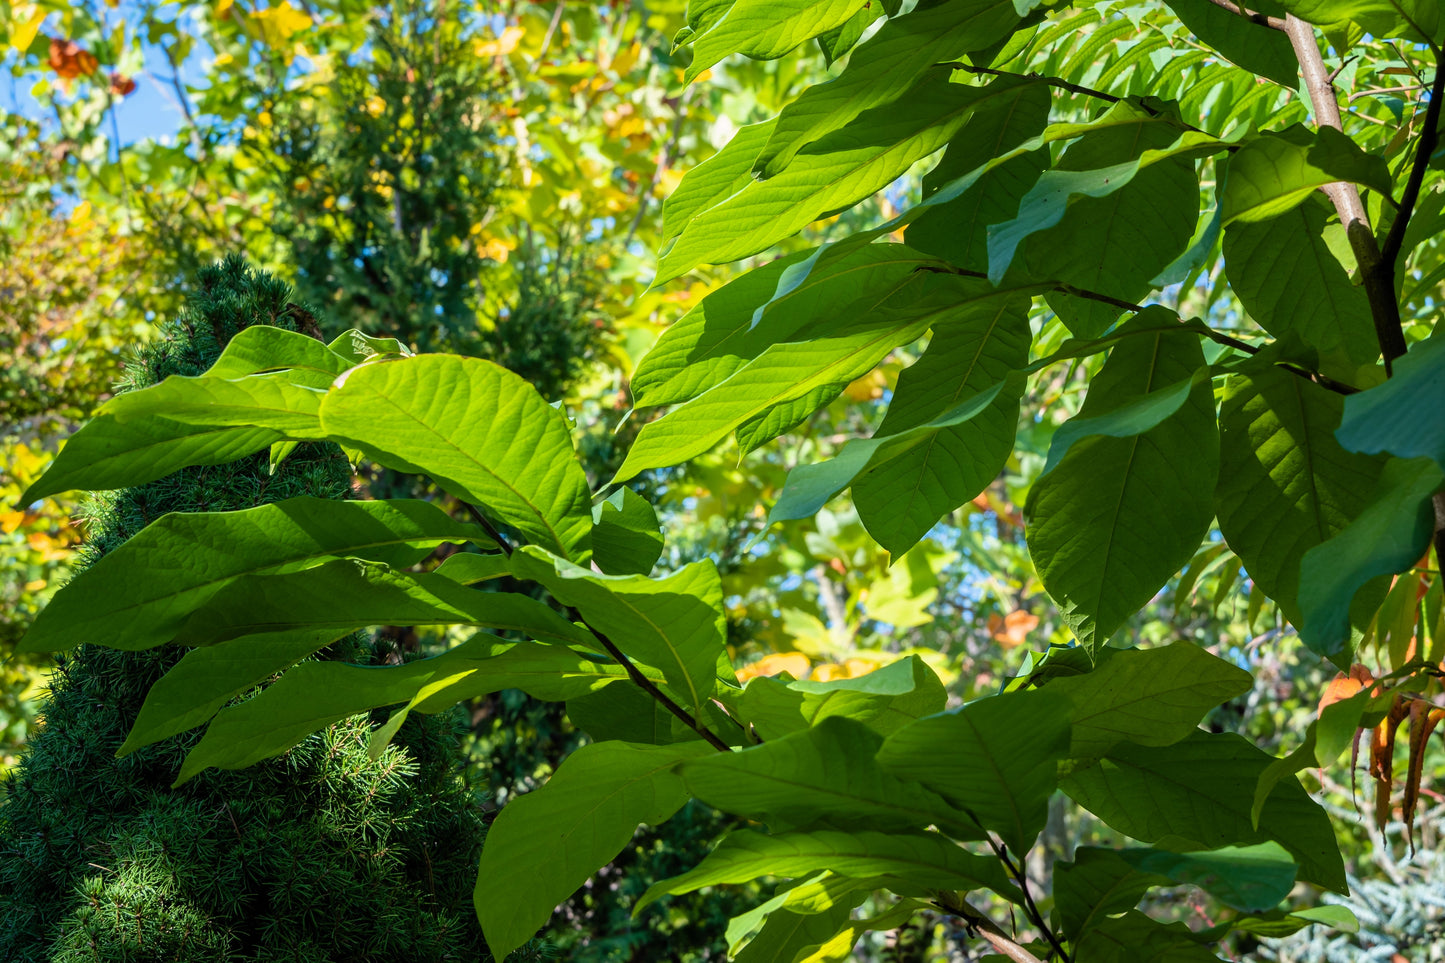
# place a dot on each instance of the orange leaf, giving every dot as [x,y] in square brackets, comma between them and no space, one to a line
[1424,717]
[1382,758]
[1013,630]
[795,664]
[69,60]
[1343,686]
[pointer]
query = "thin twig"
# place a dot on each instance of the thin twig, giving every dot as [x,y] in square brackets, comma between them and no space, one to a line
[1429,138]
[1273,23]
[1377,272]
[489,528]
[1030,907]
[651,689]
[1051,81]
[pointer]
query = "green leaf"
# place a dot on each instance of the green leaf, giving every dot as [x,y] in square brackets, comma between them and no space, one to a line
[882,70]
[262,347]
[674,623]
[787,935]
[313,695]
[106,453]
[1288,280]
[1414,20]
[714,180]
[826,775]
[1149,697]
[809,487]
[838,41]
[1119,515]
[627,713]
[832,358]
[833,174]
[469,568]
[206,678]
[348,594]
[119,602]
[1197,794]
[767,29]
[1118,207]
[1000,761]
[356,346]
[626,539]
[1388,536]
[1135,938]
[479,431]
[1097,884]
[903,493]
[1405,416]
[1276,171]
[1126,421]
[924,859]
[1285,483]
[726,329]
[958,230]
[810,897]
[1244,877]
[279,401]
[567,830]
[884,700]
[1258,48]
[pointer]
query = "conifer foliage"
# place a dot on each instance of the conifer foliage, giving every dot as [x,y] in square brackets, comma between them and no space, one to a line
[323,855]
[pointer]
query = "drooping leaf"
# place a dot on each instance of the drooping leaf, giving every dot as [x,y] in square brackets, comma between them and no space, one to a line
[479,431]
[766,29]
[1388,535]
[1256,47]
[807,897]
[900,498]
[1285,483]
[926,859]
[567,830]
[1278,170]
[834,173]
[1137,938]
[1149,697]
[273,400]
[208,677]
[786,372]
[1247,878]
[714,180]
[998,761]
[786,935]
[313,695]
[1119,515]
[884,700]
[823,776]
[838,41]
[958,230]
[882,70]
[357,346]
[1405,416]
[1288,280]
[348,594]
[120,602]
[673,623]
[1197,793]
[724,332]
[626,539]
[1118,207]
[1096,884]
[469,568]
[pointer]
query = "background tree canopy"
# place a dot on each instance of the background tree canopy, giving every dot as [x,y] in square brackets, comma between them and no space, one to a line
[995,479]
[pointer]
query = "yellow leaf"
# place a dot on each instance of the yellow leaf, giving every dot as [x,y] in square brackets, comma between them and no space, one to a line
[500,47]
[9,521]
[28,18]
[223,7]
[279,22]
[795,664]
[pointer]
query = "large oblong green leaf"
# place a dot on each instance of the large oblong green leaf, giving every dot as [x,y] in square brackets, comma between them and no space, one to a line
[479,431]
[995,758]
[767,29]
[1149,697]
[123,602]
[1405,416]
[313,695]
[1278,170]
[823,776]
[567,830]
[928,860]
[833,174]
[1289,281]
[884,700]
[1119,515]
[882,69]
[900,498]
[1285,483]
[674,624]
[1200,791]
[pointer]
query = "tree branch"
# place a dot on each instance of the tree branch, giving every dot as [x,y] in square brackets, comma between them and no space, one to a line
[1030,907]
[1051,81]
[1274,23]
[651,689]
[1377,272]
[1429,138]
[489,528]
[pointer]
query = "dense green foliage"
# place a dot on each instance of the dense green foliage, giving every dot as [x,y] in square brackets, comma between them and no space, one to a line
[327,854]
[1134,204]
